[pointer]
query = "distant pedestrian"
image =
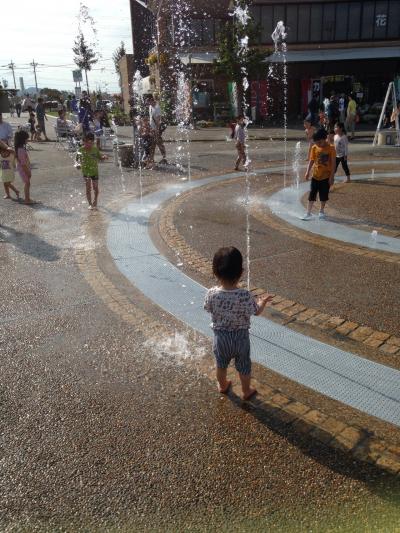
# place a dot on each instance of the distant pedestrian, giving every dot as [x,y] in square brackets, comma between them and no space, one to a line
[394,117]
[27,104]
[74,105]
[323,122]
[342,149]
[240,138]
[313,107]
[342,108]
[41,117]
[85,115]
[156,125]
[351,116]
[88,157]
[23,164]
[231,308]
[323,163]
[7,171]
[6,132]
[309,130]
[18,106]
[32,125]
[333,111]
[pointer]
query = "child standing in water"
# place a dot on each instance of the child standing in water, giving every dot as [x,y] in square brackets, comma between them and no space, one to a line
[342,148]
[322,162]
[23,164]
[88,157]
[240,138]
[7,170]
[231,308]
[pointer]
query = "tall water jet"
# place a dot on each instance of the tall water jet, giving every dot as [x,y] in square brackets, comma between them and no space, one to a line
[137,89]
[279,36]
[241,14]
[296,164]
[183,100]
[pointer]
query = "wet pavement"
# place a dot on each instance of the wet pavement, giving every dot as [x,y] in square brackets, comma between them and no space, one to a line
[104,427]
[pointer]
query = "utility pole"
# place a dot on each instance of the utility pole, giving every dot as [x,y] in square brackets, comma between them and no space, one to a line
[12,66]
[34,65]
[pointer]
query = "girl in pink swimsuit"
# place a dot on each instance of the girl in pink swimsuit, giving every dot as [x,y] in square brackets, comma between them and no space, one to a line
[23,163]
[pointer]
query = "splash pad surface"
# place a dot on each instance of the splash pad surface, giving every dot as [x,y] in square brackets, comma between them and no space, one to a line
[350,379]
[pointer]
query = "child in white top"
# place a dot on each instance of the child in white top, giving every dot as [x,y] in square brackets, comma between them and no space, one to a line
[231,308]
[342,148]
[7,171]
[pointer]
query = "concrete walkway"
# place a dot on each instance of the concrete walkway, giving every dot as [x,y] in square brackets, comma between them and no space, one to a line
[353,380]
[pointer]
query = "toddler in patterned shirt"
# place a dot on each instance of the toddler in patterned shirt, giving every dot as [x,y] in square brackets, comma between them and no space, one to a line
[231,308]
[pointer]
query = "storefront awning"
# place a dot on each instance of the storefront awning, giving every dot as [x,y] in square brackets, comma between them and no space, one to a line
[198,58]
[338,54]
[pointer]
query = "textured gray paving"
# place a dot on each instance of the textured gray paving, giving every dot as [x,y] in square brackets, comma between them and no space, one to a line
[358,382]
[286,204]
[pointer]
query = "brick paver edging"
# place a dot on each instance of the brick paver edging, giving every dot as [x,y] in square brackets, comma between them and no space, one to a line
[302,418]
[294,311]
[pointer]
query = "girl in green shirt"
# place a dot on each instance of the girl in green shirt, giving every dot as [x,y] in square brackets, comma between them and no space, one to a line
[88,157]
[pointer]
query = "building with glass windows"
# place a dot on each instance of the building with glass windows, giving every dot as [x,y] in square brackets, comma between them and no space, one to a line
[333,46]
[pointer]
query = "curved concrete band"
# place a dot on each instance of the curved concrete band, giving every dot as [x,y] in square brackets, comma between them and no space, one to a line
[352,380]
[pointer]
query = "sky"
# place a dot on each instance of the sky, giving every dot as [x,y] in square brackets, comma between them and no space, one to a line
[45,32]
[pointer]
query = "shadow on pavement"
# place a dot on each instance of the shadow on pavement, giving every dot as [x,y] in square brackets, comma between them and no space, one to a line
[29,244]
[384,484]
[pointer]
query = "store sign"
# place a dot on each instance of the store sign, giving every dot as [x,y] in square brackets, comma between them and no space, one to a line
[77,75]
[381,20]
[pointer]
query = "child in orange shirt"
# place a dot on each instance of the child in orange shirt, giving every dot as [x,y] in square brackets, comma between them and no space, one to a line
[323,164]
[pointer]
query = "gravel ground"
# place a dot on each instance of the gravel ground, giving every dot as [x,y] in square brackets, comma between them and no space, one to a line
[104,429]
[314,276]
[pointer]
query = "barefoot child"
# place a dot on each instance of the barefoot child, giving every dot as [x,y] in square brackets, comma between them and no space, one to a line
[7,170]
[23,164]
[240,138]
[231,308]
[342,148]
[88,156]
[322,162]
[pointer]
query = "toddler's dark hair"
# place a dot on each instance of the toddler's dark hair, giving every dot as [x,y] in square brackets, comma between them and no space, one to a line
[228,264]
[89,136]
[341,126]
[320,135]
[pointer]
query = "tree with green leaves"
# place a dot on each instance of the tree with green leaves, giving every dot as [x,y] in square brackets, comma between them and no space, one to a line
[51,94]
[117,55]
[85,57]
[235,61]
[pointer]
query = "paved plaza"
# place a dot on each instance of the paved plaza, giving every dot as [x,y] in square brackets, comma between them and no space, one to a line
[110,415]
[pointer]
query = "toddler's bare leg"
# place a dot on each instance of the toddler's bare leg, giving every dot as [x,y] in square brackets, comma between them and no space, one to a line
[223,383]
[245,380]
[6,190]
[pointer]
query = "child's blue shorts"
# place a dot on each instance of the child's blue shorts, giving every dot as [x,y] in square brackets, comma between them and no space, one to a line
[233,344]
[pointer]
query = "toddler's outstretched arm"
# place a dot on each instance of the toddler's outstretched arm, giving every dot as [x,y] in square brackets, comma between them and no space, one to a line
[262,302]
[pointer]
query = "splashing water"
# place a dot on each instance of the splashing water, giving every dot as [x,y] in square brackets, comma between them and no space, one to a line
[183,118]
[278,36]
[296,164]
[242,17]
[138,93]
[118,155]
[175,349]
